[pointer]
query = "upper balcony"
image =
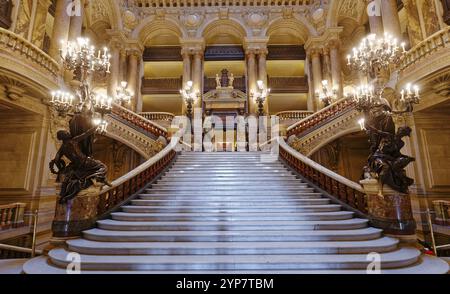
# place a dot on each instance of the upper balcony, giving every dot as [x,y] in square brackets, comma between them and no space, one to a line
[218,3]
[430,56]
[21,57]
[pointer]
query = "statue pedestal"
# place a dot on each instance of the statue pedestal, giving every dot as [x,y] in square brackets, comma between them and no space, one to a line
[75,216]
[390,210]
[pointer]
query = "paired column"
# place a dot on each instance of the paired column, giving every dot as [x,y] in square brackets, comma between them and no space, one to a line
[375,19]
[187,69]
[114,75]
[317,74]
[76,22]
[336,70]
[60,28]
[252,77]
[391,20]
[197,75]
[133,63]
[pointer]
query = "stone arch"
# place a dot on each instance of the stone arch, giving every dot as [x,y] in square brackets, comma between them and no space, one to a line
[333,13]
[150,28]
[219,26]
[355,128]
[294,27]
[115,14]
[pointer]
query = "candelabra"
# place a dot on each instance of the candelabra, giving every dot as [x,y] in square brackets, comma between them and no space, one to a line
[375,58]
[327,96]
[260,96]
[123,94]
[62,102]
[376,54]
[80,58]
[189,97]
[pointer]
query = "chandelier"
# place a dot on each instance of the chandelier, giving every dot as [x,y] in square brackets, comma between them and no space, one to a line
[82,59]
[123,94]
[189,97]
[374,53]
[260,96]
[327,96]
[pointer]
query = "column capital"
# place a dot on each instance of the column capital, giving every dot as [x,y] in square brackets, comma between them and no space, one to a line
[256,45]
[192,46]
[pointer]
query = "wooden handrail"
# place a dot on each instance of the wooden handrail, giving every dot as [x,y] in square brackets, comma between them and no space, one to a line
[139,121]
[126,186]
[336,185]
[12,215]
[324,115]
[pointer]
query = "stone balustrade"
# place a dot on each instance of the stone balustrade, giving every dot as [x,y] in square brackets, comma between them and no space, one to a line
[24,50]
[427,47]
[321,118]
[158,116]
[139,121]
[218,3]
[12,216]
[294,115]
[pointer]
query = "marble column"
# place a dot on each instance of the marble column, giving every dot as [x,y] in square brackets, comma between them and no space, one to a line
[60,28]
[326,67]
[133,62]
[336,70]
[187,70]
[114,75]
[123,76]
[375,19]
[391,20]
[317,75]
[252,77]
[262,75]
[76,23]
[197,75]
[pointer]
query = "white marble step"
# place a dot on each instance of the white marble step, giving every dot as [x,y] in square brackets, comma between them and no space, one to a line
[229,203]
[395,259]
[228,173]
[218,198]
[349,224]
[232,236]
[222,189]
[195,216]
[224,209]
[254,177]
[83,246]
[425,265]
[234,184]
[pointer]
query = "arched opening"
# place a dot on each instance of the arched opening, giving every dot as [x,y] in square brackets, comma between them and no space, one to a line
[286,66]
[162,67]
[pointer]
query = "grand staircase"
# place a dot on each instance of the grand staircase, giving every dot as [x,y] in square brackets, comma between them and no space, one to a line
[231,213]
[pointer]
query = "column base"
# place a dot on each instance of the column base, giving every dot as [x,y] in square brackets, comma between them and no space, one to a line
[389,210]
[77,215]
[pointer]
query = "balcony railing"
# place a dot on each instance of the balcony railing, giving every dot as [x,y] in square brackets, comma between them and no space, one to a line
[139,121]
[427,47]
[18,46]
[218,3]
[321,117]
[161,86]
[158,116]
[288,84]
[294,114]
[344,190]
[12,216]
